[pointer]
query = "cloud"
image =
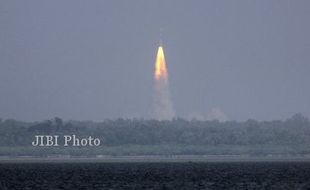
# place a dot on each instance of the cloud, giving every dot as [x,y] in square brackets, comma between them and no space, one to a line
[216,114]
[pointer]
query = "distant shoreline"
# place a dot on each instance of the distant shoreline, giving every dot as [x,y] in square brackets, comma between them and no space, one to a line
[154,158]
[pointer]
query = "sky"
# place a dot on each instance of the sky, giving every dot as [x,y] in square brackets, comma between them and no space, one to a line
[94,60]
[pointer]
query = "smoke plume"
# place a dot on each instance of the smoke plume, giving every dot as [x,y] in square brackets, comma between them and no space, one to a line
[163,107]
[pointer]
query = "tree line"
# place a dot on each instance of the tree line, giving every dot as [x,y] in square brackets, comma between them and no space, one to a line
[293,132]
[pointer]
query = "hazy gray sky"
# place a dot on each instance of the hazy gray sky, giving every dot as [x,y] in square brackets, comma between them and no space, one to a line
[94,59]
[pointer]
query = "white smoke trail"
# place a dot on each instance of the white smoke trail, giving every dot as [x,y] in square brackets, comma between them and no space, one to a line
[163,104]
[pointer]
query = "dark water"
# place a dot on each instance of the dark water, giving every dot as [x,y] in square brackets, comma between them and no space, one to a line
[243,175]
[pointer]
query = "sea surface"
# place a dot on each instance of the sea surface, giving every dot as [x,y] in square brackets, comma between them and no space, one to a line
[179,175]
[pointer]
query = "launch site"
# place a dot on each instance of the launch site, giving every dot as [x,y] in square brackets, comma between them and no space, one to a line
[154,94]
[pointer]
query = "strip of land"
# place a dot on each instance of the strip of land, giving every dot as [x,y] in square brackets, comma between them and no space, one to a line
[155,158]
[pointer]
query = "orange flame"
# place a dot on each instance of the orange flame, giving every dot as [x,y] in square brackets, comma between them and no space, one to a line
[160,65]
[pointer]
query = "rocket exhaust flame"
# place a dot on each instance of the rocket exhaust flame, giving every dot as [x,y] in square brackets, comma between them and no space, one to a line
[160,65]
[163,104]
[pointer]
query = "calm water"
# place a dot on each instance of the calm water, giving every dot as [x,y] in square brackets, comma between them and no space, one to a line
[243,175]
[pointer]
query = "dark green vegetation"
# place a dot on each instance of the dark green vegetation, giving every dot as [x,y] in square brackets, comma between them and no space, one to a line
[243,175]
[152,137]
